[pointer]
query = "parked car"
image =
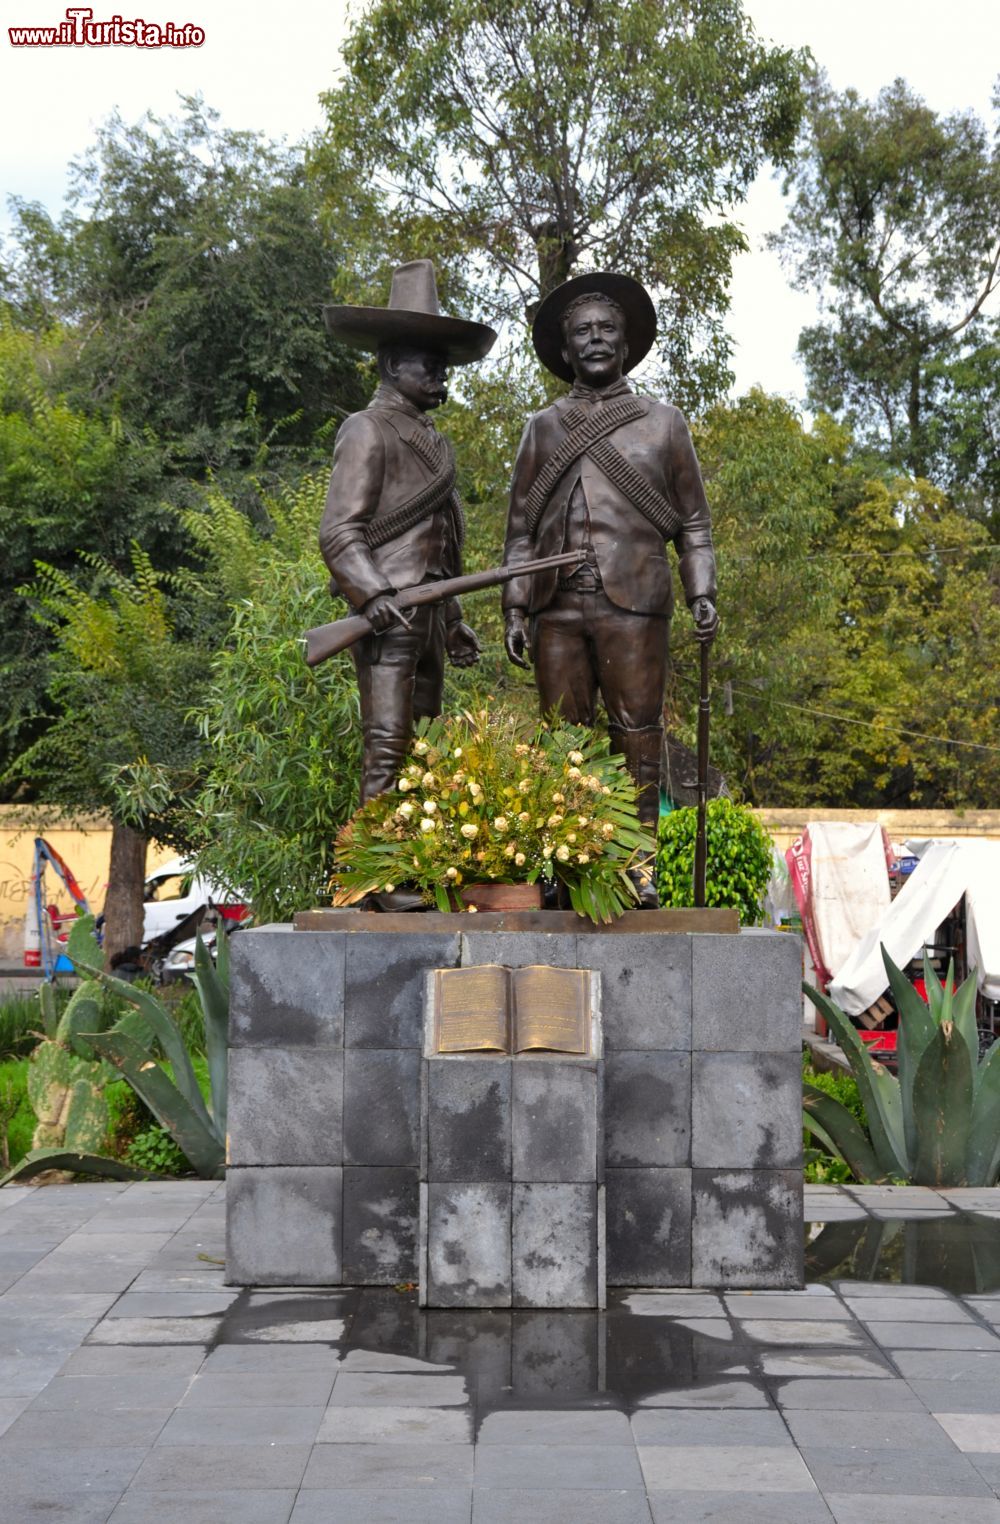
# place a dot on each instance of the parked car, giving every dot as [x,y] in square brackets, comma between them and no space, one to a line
[175,894]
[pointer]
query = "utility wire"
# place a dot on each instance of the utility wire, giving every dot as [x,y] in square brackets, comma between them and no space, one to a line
[850,719]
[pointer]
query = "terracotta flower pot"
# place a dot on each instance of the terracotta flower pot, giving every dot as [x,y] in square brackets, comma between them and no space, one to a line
[500,897]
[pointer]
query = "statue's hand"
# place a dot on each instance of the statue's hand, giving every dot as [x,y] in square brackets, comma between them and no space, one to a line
[381,612]
[706,620]
[516,641]
[461,644]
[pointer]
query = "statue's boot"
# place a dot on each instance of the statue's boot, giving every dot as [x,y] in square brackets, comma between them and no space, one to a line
[643,750]
[382,763]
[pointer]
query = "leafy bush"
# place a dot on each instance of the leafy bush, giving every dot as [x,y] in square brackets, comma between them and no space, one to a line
[822,1168]
[155,1150]
[20,1022]
[738,864]
[15,1108]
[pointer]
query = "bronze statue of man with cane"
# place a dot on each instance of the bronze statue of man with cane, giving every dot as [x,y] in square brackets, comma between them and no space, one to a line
[613,476]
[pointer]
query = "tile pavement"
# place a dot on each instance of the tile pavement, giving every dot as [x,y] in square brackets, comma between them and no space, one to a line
[135,1386]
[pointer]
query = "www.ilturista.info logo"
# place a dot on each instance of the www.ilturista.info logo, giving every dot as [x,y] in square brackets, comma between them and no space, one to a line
[79,30]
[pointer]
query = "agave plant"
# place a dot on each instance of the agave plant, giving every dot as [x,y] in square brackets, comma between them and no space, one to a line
[173,1097]
[938,1122]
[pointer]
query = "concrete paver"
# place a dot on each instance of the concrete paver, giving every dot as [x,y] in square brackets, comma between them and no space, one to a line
[136,1386]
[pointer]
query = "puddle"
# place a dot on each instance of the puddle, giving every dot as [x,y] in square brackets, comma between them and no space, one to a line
[960,1252]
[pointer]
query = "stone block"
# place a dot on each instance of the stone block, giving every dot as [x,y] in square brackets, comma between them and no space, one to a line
[554,1233]
[649,1227]
[465,1244]
[381,1212]
[645,987]
[283,1226]
[747,992]
[647,1109]
[287,989]
[747,1228]
[556,1110]
[286,1105]
[381,1106]
[746,1111]
[517,949]
[384,985]
[468,1122]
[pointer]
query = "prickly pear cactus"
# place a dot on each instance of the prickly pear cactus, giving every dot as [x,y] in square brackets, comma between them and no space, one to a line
[66,1078]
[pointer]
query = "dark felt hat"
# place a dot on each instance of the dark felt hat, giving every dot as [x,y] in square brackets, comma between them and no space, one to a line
[634,299]
[412,317]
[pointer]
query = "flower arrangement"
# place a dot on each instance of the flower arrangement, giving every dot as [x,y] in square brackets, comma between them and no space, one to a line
[480,801]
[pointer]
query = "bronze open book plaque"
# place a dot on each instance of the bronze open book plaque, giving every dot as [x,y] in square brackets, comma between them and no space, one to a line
[493,1009]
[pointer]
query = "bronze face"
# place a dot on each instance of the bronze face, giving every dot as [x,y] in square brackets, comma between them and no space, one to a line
[419,375]
[595,346]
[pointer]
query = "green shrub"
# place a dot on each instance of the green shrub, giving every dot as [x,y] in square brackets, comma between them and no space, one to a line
[738,862]
[20,1023]
[155,1150]
[15,1108]
[843,1087]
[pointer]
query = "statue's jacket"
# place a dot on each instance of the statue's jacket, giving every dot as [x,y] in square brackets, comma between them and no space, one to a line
[629,548]
[384,458]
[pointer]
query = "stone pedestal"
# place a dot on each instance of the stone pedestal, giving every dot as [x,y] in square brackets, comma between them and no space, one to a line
[700,1074]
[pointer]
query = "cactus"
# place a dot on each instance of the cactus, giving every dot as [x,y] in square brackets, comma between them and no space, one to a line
[938,1122]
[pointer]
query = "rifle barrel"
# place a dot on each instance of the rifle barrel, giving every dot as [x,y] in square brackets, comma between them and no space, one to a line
[325,640]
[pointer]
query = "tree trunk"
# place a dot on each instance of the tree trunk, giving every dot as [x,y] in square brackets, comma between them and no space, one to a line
[123,913]
[917,461]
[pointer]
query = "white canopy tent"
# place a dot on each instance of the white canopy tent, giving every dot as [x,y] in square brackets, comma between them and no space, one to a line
[947,869]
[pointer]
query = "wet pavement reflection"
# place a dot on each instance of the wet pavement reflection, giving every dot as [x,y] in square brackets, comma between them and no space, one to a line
[959,1253]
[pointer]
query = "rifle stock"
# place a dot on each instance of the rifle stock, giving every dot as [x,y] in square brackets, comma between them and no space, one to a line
[325,640]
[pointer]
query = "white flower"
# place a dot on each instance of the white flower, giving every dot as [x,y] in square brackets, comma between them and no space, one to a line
[457,752]
[573,772]
[520,750]
[523,818]
[404,784]
[451,873]
[563,854]
[509,849]
[554,820]
[472,909]
[500,823]
[427,824]
[607,830]
[388,888]
[558,798]
[583,857]
[429,780]
[525,785]
[576,757]
[583,820]
[470,831]
[474,788]
[519,859]
[421,748]
[405,810]
[605,789]
[547,851]
[429,807]
[571,837]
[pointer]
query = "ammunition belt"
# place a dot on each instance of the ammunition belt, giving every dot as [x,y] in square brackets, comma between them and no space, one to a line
[433,451]
[587,432]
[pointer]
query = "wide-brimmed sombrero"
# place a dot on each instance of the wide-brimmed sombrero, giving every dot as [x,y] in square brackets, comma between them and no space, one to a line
[412,317]
[634,299]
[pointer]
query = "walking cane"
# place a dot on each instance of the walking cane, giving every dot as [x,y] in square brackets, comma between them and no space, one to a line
[701,839]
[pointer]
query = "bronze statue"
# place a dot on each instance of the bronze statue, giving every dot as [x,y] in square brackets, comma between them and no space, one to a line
[393,519]
[614,475]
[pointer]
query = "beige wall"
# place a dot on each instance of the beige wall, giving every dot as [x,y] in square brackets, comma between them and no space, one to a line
[785,825]
[86,852]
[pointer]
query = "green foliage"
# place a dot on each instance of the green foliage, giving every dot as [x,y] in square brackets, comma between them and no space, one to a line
[171,1091]
[519,142]
[894,215]
[155,1150]
[481,799]
[738,865]
[20,1021]
[283,741]
[15,1108]
[822,1167]
[937,1122]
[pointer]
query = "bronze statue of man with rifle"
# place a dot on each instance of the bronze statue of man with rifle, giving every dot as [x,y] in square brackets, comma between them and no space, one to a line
[393,519]
[612,476]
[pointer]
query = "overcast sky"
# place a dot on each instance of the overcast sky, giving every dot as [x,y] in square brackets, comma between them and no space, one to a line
[263,66]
